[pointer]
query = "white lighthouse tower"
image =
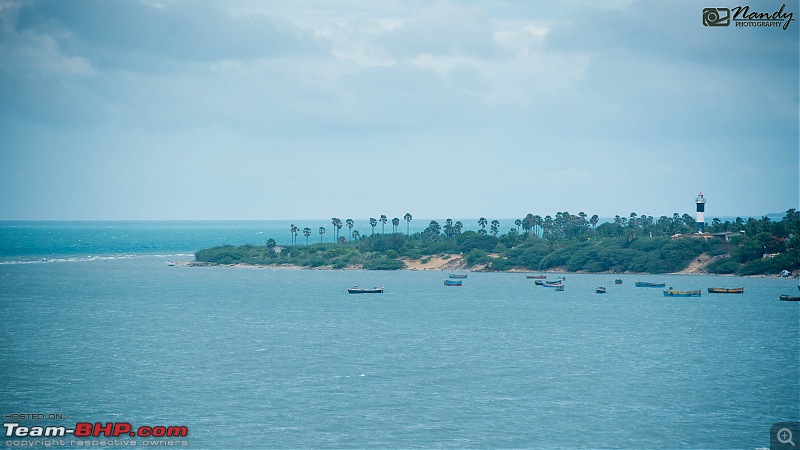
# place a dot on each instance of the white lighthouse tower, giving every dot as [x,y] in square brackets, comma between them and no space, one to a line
[700,201]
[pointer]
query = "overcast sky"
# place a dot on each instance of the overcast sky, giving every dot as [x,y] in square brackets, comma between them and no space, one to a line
[164,109]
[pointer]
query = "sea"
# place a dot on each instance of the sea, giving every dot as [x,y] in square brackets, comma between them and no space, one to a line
[104,326]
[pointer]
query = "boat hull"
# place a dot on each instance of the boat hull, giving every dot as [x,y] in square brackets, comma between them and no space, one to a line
[358,290]
[726,290]
[651,285]
[452,282]
[789,298]
[674,293]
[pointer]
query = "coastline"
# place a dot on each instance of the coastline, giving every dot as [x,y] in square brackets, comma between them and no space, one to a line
[457,264]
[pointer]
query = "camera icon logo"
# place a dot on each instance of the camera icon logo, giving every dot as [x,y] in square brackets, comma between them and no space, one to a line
[716,17]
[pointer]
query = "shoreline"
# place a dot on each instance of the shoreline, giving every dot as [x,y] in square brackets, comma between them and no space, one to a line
[475,269]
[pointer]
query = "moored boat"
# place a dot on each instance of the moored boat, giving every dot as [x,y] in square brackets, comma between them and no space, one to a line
[554,284]
[790,298]
[676,293]
[452,282]
[646,284]
[618,281]
[560,287]
[539,282]
[360,290]
[536,277]
[713,290]
[600,290]
[457,275]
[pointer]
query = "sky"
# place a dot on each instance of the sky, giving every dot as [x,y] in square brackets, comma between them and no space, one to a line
[244,109]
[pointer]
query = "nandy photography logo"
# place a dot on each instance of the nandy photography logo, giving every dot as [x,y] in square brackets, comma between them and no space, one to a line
[743,16]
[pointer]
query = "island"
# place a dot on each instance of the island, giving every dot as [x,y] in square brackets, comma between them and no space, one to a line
[566,242]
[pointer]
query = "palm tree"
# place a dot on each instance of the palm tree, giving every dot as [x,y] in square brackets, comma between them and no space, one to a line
[306,233]
[395,224]
[349,223]
[337,224]
[517,223]
[373,222]
[338,228]
[407,218]
[537,222]
[583,222]
[593,220]
[448,228]
[383,224]
[547,226]
[482,222]
[356,235]
[294,231]
[528,223]
[321,232]
[495,227]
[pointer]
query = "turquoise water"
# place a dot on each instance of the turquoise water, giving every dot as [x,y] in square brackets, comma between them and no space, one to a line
[281,358]
[33,241]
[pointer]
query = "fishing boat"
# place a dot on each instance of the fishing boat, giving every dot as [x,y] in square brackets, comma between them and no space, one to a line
[554,284]
[674,293]
[600,290]
[360,290]
[560,287]
[790,298]
[652,285]
[457,275]
[713,290]
[452,282]
[618,281]
[539,282]
[536,277]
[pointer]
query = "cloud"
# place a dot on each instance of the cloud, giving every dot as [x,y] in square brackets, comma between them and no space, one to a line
[506,98]
[182,31]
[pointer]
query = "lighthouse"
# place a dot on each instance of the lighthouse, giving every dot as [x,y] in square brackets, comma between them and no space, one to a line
[700,201]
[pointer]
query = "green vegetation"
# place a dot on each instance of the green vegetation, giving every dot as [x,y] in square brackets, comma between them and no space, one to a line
[566,241]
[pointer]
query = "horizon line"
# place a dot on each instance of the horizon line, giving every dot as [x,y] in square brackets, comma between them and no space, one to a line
[691,213]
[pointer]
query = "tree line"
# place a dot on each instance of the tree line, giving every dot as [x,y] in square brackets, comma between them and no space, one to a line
[637,243]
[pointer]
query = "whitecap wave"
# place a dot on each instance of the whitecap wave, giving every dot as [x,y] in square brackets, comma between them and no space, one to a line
[91,258]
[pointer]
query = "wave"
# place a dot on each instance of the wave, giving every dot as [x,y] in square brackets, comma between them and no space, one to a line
[91,258]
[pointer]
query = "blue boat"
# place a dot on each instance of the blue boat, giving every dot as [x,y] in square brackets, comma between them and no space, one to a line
[452,282]
[646,284]
[457,275]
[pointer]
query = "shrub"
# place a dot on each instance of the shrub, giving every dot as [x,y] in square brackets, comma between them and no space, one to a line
[383,263]
[723,266]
